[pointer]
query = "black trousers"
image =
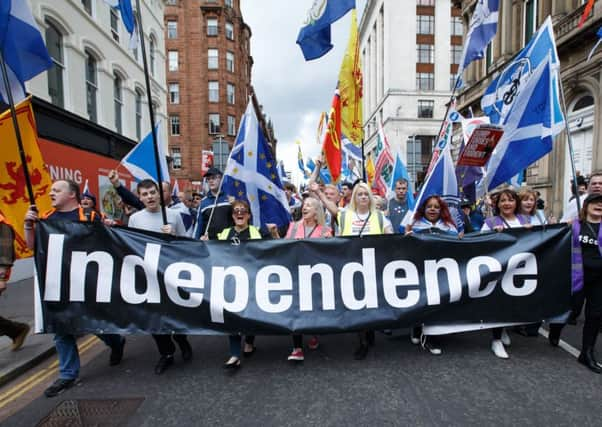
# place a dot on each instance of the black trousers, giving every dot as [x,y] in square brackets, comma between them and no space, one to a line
[166,346]
[9,328]
[592,291]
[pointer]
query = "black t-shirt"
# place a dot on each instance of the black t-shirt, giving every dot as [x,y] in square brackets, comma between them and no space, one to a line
[592,260]
[65,216]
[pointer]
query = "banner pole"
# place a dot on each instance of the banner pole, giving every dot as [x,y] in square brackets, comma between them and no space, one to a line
[569,142]
[151,111]
[13,113]
[363,163]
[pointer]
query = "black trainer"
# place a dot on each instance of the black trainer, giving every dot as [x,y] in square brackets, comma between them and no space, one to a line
[59,386]
[117,353]
[186,350]
[163,363]
[361,352]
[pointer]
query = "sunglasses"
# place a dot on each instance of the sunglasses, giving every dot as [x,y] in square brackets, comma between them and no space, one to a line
[240,211]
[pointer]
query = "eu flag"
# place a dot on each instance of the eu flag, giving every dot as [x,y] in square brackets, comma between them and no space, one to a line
[314,37]
[252,174]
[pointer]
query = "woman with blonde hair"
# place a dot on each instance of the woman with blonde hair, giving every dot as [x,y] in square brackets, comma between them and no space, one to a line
[310,226]
[361,218]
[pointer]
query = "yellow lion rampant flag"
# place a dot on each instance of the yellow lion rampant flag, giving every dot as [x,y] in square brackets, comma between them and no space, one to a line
[14,200]
[351,88]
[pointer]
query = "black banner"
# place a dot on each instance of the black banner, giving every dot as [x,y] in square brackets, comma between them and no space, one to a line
[93,278]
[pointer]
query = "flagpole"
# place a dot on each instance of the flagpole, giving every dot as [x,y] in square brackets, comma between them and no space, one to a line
[151,111]
[13,113]
[569,141]
[363,163]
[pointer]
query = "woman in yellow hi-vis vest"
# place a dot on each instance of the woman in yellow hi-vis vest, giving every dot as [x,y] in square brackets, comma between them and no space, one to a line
[361,218]
[242,230]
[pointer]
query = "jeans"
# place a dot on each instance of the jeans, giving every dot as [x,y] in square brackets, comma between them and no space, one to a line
[235,345]
[66,348]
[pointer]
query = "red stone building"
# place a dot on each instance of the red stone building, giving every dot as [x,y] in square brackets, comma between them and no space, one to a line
[208,64]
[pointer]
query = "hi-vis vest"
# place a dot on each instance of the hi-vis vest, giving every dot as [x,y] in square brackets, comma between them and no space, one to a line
[375,223]
[253,233]
[297,231]
[81,213]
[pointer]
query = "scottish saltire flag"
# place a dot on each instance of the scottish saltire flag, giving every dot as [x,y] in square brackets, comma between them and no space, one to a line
[281,171]
[400,171]
[528,130]
[252,174]
[300,161]
[314,37]
[127,16]
[505,88]
[22,48]
[599,34]
[175,198]
[140,161]
[483,26]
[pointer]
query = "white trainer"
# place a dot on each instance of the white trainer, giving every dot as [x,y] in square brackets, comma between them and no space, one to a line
[498,349]
[506,338]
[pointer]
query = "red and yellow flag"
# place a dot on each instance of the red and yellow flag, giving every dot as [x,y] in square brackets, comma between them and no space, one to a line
[14,200]
[351,88]
[586,12]
[370,170]
[331,147]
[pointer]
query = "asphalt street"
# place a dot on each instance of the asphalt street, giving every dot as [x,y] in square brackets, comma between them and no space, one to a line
[398,384]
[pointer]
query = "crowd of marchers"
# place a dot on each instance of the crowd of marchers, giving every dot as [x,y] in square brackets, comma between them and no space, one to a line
[322,211]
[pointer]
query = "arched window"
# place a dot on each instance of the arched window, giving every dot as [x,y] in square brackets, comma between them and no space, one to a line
[139,96]
[118,101]
[152,46]
[91,86]
[54,43]
[583,102]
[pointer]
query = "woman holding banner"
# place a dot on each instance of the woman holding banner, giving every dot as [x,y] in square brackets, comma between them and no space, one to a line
[506,215]
[433,216]
[310,226]
[241,231]
[361,218]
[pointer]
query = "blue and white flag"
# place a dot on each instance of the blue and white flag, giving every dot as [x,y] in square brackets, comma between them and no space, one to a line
[401,172]
[483,26]
[128,18]
[22,48]
[314,37]
[252,174]
[528,130]
[599,34]
[140,161]
[175,198]
[324,172]
[505,88]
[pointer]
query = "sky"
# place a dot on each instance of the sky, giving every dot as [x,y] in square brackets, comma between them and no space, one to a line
[293,92]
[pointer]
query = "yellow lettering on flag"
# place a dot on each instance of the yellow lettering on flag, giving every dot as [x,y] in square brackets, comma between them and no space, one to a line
[14,200]
[351,88]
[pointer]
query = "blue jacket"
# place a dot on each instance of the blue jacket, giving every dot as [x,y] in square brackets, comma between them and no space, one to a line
[222,218]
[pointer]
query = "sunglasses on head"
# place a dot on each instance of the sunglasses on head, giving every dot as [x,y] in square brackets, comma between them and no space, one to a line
[240,211]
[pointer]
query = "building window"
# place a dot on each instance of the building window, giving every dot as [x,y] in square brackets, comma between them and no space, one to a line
[212,27]
[174,122]
[176,157]
[172,57]
[452,81]
[456,26]
[213,91]
[213,59]
[87,4]
[426,53]
[425,2]
[425,109]
[231,125]
[213,123]
[488,57]
[117,101]
[152,47]
[530,20]
[174,93]
[54,43]
[91,86]
[139,96]
[114,24]
[425,81]
[229,31]
[229,3]
[230,62]
[172,29]
[425,24]
[221,152]
[230,93]
[455,54]
[172,2]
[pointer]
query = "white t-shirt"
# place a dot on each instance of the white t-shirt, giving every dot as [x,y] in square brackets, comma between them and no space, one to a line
[571,211]
[153,221]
